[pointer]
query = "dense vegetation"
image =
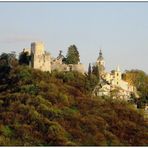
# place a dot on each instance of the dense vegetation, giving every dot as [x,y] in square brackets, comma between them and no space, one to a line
[139,79]
[39,108]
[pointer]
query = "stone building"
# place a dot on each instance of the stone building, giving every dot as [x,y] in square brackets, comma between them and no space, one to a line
[112,84]
[42,60]
[58,64]
[100,63]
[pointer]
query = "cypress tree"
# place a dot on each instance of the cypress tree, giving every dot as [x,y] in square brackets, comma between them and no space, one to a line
[73,56]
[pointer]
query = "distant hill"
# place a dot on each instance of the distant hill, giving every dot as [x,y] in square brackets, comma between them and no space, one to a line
[42,109]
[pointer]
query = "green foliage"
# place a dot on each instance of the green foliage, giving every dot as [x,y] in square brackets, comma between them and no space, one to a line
[89,70]
[91,81]
[72,56]
[59,134]
[54,112]
[95,70]
[8,59]
[7,62]
[70,113]
[24,58]
[42,109]
[63,98]
[69,76]
[24,74]
[6,131]
[139,79]
[31,89]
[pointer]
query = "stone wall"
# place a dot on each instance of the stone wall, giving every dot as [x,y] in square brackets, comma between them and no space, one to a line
[37,48]
[59,67]
[68,67]
[77,67]
[42,60]
[39,58]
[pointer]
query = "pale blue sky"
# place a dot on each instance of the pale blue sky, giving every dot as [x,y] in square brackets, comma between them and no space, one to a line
[120,28]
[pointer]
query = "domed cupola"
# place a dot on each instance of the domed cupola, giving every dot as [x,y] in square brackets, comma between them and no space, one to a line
[100,59]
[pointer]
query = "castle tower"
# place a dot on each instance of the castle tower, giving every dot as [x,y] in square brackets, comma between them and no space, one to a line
[100,63]
[39,58]
[37,48]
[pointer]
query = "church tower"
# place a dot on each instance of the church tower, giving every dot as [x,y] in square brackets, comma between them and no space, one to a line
[117,75]
[100,60]
[100,63]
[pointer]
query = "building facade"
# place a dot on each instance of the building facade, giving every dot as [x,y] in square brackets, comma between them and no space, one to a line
[112,84]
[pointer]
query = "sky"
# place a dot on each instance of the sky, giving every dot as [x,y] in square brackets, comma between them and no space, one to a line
[119,28]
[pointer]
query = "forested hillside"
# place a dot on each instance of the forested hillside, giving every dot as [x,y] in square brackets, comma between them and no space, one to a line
[43,109]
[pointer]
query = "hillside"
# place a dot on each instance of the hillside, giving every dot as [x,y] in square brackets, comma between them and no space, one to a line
[40,109]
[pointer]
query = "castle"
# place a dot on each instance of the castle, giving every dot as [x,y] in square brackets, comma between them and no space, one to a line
[112,84]
[42,60]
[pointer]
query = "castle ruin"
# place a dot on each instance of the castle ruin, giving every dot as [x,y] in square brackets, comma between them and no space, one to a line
[109,82]
[42,60]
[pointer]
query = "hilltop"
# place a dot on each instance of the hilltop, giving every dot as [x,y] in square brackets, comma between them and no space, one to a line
[41,108]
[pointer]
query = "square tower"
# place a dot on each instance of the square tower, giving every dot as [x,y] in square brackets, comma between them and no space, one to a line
[39,58]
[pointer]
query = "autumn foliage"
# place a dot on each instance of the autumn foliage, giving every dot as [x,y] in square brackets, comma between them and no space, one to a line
[57,109]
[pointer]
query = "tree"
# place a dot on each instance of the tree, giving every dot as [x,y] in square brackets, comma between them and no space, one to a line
[24,58]
[95,70]
[8,62]
[8,59]
[73,56]
[91,82]
[38,108]
[89,69]
[139,79]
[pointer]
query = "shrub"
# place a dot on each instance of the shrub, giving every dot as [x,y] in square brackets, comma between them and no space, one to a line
[63,99]
[6,130]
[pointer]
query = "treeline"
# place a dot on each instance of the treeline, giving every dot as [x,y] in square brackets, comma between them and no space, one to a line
[46,109]
[139,79]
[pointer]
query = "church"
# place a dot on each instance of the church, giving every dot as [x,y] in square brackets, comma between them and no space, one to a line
[112,84]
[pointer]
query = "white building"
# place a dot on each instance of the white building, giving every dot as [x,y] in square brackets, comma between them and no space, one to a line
[112,84]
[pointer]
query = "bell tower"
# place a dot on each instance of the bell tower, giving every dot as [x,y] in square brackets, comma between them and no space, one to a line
[100,63]
[117,76]
[100,60]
